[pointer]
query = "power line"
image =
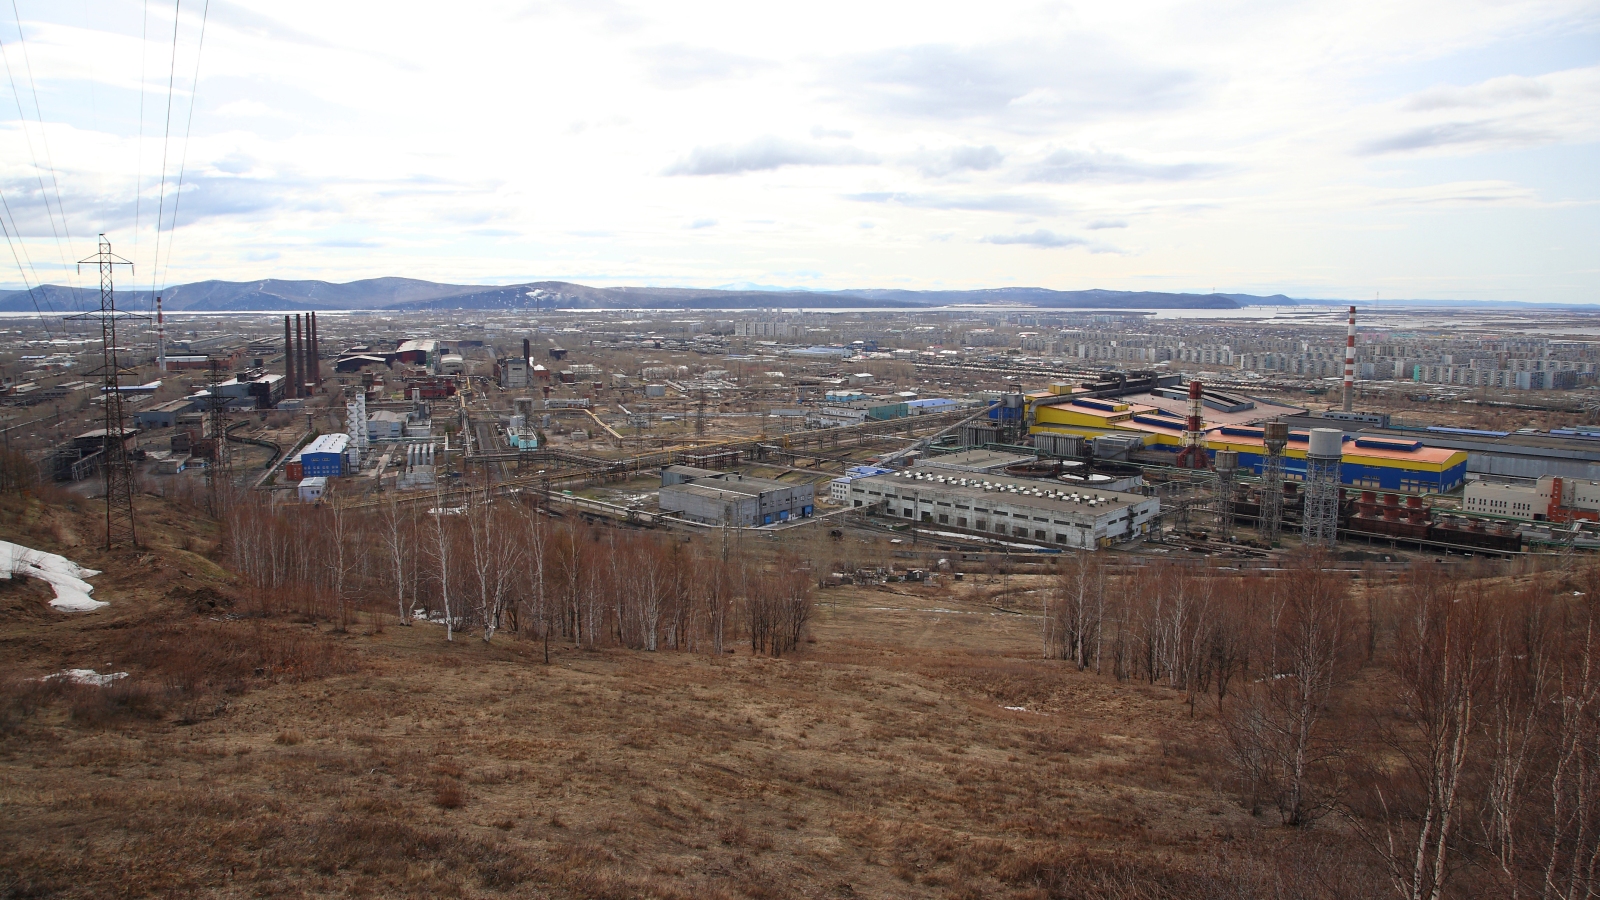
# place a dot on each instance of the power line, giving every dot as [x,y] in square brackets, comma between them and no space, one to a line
[183,159]
[138,166]
[44,136]
[44,195]
[166,136]
[22,271]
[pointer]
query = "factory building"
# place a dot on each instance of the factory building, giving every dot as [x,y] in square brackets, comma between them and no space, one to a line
[512,372]
[839,488]
[1369,462]
[1372,462]
[386,425]
[716,498]
[254,390]
[325,456]
[1550,499]
[1019,509]
[163,415]
[418,353]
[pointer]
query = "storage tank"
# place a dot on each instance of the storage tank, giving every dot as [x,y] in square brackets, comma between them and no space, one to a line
[1326,443]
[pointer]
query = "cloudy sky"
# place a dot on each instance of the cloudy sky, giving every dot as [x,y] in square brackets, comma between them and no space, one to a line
[1394,148]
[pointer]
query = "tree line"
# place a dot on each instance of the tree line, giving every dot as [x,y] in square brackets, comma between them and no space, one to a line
[1450,719]
[504,564]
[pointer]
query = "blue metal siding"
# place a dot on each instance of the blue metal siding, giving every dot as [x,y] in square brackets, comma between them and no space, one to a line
[321,464]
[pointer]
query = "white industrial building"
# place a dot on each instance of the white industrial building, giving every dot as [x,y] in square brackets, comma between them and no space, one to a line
[386,425]
[312,489]
[715,497]
[1532,502]
[1025,509]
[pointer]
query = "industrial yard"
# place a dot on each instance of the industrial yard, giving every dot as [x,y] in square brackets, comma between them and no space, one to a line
[570,604]
[594,412]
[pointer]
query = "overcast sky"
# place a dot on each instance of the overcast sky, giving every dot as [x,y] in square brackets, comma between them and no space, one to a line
[1401,149]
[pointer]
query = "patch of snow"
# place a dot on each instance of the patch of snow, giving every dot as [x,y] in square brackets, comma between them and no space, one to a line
[86,676]
[62,574]
[1016,708]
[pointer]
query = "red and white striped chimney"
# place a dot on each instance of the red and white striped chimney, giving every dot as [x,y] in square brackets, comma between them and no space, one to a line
[1350,363]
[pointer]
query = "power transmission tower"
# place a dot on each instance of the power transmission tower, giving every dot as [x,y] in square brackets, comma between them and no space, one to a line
[700,413]
[219,475]
[117,466]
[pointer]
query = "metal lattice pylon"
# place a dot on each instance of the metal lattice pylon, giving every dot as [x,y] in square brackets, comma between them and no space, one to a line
[1227,462]
[117,467]
[1275,437]
[1320,521]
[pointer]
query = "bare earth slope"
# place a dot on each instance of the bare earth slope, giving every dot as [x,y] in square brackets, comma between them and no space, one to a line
[278,758]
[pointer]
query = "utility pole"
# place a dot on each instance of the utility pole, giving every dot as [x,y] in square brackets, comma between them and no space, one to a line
[116,466]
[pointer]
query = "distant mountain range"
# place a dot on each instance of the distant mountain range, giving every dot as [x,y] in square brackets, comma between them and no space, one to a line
[409,294]
[406,294]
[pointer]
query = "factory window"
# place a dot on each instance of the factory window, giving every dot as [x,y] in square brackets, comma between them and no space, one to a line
[858,502]
[1060,522]
[961,522]
[999,528]
[944,519]
[875,493]
[962,506]
[927,517]
[1019,531]
[1061,538]
[1001,513]
[910,514]
[1040,519]
[981,509]
[983,525]
[942,503]
[1038,534]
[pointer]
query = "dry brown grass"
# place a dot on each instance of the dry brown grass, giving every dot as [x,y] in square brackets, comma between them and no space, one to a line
[268,758]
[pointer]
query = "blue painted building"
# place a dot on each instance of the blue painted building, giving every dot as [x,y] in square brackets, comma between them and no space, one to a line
[325,456]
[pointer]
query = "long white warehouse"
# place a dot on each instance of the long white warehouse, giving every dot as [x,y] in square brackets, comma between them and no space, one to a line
[1026,509]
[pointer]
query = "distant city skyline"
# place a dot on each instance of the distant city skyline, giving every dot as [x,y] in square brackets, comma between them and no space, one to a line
[1404,150]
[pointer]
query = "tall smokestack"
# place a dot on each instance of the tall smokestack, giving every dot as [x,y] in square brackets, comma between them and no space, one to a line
[316,353]
[299,356]
[161,338]
[527,349]
[1350,363]
[1193,454]
[288,360]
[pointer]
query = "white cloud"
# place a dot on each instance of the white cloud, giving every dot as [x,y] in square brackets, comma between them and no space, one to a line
[1039,238]
[555,139]
[766,153]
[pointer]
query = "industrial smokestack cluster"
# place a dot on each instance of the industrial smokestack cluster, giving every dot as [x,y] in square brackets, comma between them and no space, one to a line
[302,368]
